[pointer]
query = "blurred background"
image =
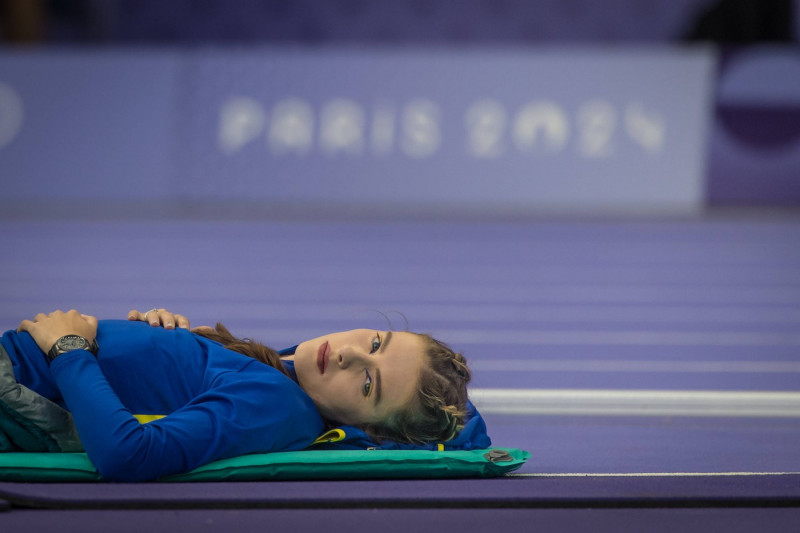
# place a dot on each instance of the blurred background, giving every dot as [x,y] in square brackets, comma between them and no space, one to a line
[506,106]
[403,22]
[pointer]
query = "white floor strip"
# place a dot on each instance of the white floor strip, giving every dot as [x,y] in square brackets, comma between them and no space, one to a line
[659,474]
[623,365]
[602,402]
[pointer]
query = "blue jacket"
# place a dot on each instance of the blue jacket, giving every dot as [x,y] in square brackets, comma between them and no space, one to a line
[217,403]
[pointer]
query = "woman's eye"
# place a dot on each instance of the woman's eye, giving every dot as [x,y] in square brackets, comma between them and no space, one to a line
[367,384]
[376,343]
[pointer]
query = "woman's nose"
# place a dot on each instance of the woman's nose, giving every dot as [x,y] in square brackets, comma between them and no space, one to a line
[349,355]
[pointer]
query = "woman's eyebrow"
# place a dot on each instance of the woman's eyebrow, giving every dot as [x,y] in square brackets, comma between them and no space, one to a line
[385,342]
[377,386]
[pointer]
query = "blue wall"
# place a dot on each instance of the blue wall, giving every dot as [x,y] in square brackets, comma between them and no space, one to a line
[380,131]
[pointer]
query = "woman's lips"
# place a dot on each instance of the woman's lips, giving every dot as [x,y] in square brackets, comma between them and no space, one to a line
[323,354]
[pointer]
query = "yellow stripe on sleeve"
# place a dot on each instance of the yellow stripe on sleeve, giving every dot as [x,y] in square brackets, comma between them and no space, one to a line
[144,419]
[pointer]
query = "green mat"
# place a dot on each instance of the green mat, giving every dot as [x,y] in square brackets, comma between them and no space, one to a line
[312,464]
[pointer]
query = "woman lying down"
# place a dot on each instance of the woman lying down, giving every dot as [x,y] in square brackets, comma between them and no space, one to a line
[144,402]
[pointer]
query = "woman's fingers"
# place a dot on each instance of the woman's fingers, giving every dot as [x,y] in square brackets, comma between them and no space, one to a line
[182,321]
[146,316]
[47,329]
[166,318]
[91,320]
[153,317]
[160,317]
[170,320]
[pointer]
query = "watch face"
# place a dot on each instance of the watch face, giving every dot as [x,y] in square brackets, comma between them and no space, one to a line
[72,342]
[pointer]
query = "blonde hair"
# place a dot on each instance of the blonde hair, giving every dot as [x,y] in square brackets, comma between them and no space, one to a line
[438,411]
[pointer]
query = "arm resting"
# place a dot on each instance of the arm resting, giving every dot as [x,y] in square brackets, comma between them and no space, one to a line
[242,413]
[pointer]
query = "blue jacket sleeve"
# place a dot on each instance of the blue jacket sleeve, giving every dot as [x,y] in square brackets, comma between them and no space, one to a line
[241,413]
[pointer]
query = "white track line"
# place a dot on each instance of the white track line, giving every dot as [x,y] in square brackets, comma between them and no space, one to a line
[603,402]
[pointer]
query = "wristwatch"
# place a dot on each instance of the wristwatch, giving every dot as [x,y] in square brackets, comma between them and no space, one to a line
[67,343]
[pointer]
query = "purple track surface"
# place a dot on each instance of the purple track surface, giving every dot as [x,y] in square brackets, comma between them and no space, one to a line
[707,304]
[513,491]
[408,520]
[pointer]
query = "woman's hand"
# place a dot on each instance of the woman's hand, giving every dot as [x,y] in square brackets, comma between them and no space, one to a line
[159,317]
[47,329]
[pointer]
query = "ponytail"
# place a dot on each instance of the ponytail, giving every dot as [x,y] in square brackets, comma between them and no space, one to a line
[247,347]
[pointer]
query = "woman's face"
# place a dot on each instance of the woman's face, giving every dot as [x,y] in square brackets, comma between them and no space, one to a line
[360,376]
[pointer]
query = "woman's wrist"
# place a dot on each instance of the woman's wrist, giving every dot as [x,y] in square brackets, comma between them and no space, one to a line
[71,342]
